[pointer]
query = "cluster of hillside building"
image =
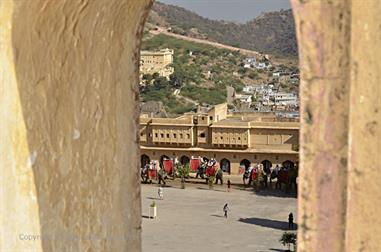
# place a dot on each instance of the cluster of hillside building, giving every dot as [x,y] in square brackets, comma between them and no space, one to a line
[270,96]
[260,98]
[263,64]
[238,140]
[263,98]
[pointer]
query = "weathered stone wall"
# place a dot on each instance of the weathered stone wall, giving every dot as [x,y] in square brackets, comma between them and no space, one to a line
[339,47]
[68,114]
[68,109]
[363,219]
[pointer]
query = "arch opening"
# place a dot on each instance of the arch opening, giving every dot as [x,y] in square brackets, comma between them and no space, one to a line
[225,165]
[162,158]
[267,166]
[184,160]
[245,163]
[288,164]
[144,160]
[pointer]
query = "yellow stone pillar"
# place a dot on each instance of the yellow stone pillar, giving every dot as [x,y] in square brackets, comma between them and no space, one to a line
[339,47]
[363,219]
[68,106]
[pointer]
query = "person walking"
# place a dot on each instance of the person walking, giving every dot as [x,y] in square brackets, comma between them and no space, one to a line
[229,185]
[226,209]
[290,221]
[160,192]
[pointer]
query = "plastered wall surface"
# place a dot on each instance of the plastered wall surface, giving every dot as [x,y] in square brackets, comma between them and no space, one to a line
[68,139]
[339,196]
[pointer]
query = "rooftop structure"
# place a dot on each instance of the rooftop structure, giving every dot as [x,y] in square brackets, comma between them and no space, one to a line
[212,133]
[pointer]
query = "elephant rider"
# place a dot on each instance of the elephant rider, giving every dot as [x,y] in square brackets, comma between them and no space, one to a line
[261,175]
[267,174]
[162,175]
[201,170]
[144,172]
[248,174]
[219,176]
[292,174]
[175,167]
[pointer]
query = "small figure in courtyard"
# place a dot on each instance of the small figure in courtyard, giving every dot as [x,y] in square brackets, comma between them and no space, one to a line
[290,221]
[160,192]
[229,185]
[226,209]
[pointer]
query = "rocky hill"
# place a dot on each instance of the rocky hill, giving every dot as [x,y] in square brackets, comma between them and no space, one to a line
[272,32]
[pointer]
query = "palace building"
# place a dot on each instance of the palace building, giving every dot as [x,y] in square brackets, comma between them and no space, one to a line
[157,62]
[233,140]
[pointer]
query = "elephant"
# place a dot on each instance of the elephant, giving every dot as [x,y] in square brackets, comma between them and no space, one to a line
[219,176]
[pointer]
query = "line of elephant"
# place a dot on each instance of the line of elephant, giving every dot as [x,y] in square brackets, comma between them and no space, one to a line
[259,177]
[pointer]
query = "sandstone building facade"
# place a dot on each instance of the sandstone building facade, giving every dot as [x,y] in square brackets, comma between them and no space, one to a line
[157,62]
[231,140]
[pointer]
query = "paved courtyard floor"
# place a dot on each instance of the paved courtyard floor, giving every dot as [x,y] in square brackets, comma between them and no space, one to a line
[192,219]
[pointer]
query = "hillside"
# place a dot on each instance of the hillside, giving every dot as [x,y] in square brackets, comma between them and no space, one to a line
[202,73]
[272,32]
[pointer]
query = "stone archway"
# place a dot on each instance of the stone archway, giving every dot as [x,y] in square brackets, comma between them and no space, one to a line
[267,166]
[225,165]
[184,160]
[144,160]
[288,164]
[63,100]
[162,158]
[246,163]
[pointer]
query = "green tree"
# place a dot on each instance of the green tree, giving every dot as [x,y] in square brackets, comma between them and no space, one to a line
[147,77]
[242,70]
[155,75]
[183,171]
[288,239]
[174,81]
[160,83]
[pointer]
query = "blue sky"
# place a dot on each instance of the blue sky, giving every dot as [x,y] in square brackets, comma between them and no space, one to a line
[231,10]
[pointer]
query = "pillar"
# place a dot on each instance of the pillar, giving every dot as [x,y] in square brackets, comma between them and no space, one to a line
[68,139]
[338,197]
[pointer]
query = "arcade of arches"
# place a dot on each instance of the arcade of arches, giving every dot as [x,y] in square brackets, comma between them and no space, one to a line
[232,161]
[69,148]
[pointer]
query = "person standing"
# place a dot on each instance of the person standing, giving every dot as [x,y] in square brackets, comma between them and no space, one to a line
[226,209]
[290,221]
[229,185]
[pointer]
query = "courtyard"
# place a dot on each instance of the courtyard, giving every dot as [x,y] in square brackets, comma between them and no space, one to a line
[192,219]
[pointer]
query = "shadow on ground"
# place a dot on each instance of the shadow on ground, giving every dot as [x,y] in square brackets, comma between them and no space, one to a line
[153,198]
[268,192]
[217,215]
[276,193]
[281,225]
